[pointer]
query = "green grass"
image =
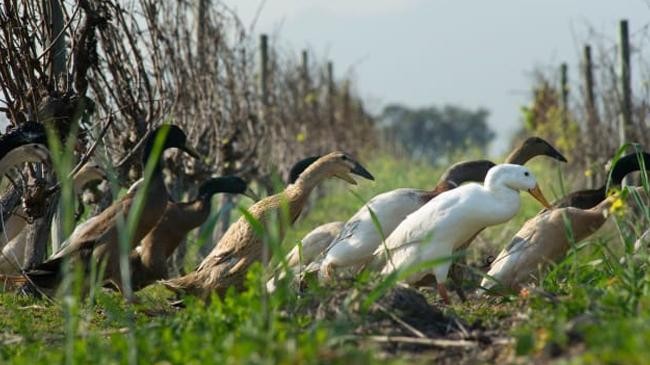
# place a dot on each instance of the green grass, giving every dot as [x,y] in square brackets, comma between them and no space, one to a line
[597,310]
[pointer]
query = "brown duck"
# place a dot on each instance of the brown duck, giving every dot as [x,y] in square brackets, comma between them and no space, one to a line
[543,240]
[98,238]
[149,260]
[241,246]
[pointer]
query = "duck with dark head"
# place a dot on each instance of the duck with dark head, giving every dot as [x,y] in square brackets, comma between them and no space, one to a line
[241,246]
[532,147]
[589,198]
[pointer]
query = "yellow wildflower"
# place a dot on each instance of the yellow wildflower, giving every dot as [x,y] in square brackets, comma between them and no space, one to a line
[541,339]
[618,206]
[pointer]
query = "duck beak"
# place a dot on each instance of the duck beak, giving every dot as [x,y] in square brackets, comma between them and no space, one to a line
[361,171]
[347,178]
[191,151]
[553,153]
[251,194]
[539,196]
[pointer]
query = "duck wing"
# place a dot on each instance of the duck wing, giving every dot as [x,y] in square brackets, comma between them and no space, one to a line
[96,229]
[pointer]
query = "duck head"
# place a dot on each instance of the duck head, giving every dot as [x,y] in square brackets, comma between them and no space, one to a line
[465,171]
[337,164]
[627,164]
[531,147]
[27,143]
[301,166]
[518,178]
[91,171]
[174,138]
[225,184]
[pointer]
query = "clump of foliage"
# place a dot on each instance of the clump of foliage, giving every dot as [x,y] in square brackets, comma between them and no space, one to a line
[546,117]
[434,133]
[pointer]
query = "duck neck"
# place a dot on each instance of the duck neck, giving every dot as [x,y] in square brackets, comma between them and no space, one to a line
[13,158]
[445,185]
[80,180]
[585,222]
[194,213]
[441,187]
[147,153]
[626,165]
[520,156]
[308,180]
[298,192]
[502,192]
[599,195]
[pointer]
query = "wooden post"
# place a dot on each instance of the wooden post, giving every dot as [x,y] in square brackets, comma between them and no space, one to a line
[346,102]
[564,70]
[625,121]
[589,85]
[592,113]
[264,72]
[330,92]
[304,70]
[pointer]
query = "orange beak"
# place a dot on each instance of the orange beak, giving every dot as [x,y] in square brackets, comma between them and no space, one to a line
[539,196]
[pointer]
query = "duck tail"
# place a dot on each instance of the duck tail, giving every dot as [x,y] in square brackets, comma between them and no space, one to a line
[182,285]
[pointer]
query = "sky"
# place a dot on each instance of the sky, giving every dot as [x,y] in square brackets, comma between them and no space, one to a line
[473,53]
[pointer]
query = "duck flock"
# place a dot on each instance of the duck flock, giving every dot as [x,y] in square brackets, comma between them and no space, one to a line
[414,236]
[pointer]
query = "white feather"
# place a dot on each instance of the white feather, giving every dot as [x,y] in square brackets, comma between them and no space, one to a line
[360,236]
[312,245]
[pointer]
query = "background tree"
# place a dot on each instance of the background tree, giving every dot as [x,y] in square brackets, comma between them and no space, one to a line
[433,133]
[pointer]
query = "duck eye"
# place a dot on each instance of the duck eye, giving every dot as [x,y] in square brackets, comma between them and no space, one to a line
[526,173]
[344,157]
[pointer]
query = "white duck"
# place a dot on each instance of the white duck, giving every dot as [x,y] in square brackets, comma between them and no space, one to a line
[445,223]
[312,245]
[360,236]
